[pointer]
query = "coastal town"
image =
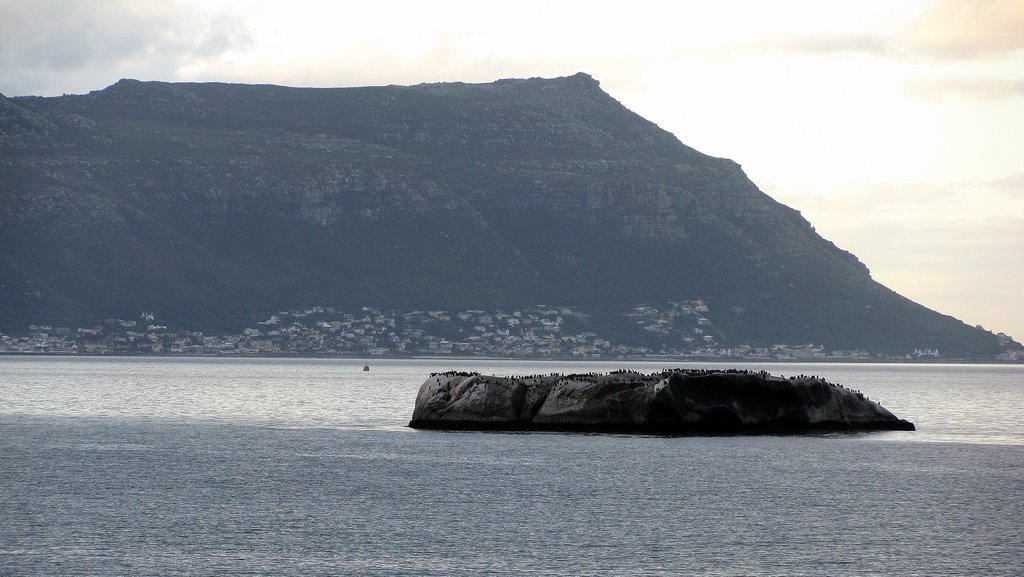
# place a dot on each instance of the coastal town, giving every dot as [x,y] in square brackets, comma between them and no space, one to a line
[679,330]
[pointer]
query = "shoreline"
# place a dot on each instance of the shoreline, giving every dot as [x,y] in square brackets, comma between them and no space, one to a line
[560,359]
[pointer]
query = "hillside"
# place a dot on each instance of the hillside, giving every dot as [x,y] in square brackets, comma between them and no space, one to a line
[213,205]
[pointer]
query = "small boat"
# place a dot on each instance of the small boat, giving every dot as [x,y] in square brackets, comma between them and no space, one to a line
[366,368]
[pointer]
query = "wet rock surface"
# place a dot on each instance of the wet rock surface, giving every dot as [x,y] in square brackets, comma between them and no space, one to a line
[673,401]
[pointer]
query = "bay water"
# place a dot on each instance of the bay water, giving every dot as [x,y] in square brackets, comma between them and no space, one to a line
[210,466]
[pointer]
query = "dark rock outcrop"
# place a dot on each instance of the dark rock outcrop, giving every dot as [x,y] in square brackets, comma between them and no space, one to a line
[669,402]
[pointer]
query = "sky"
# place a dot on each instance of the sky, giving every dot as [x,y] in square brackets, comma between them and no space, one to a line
[895,127]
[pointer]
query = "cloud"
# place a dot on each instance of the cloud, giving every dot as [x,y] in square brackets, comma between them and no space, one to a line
[951,247]
[822,44]
[965,203]
[968,229]
[933,88]
[46,41]
[1012,185]
[968,29]
[947,29]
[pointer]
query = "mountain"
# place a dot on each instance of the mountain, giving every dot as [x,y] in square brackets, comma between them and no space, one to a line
[212,203]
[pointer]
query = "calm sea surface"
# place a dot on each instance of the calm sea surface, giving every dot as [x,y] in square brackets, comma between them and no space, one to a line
[139,466]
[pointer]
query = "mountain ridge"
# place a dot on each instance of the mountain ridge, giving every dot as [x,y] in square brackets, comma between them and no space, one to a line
[212,202]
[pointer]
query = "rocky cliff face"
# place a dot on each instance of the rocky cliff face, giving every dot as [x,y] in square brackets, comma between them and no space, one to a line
[673,402]
[209,203]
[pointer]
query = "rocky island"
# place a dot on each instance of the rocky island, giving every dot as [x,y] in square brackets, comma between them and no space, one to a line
[674,401]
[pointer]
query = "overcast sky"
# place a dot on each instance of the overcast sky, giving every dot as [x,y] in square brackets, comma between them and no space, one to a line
[895,127]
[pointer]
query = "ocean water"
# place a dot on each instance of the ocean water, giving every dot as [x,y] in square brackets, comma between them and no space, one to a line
[142,466]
